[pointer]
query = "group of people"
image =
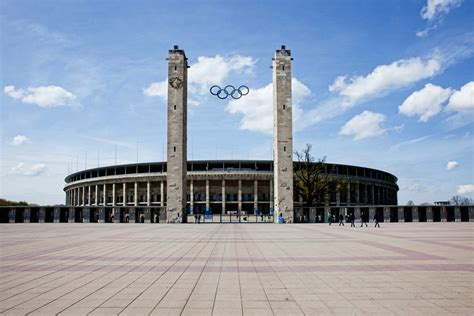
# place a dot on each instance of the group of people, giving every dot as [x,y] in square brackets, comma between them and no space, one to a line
[351,217]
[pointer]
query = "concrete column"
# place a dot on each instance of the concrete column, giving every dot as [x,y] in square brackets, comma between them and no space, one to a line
[378,195]
[12,215]
[471,213]
[147,215]
[89,202]
[42,215]
[135,194]
[223,197]
[96,195]
[101,215]
[283,134]
[191,196]
[371,214]
[272,199]
[86,214]
[386,215]
[457,214]
[105,194]
[148,194]
[255,197]
[444,214]
[26,215]
[72,215]
[357,193]
[113,194]
[57,213]
[84,195]
[116,212]
[162,194]
[356,213]
[348,193]
[401,215]
[176,185]
[239,197]
[338,198]
[124,193]
[74,196]
[207,196]
[414,214]
[131,215]
[429,214]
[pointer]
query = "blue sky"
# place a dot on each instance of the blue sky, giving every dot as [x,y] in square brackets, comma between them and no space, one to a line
[382,84]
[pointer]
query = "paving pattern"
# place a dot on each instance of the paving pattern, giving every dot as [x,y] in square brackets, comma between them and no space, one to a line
[232,269]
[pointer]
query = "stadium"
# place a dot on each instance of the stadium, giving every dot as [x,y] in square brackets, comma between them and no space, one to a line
[226,190]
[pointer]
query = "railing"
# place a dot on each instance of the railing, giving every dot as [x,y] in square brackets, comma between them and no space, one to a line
[155,214]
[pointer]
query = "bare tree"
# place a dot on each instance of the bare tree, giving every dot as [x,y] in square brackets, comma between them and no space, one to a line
[460,200]
[410,203]
[312,178]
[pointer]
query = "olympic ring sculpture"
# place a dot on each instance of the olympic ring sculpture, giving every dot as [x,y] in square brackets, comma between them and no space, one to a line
[229,90]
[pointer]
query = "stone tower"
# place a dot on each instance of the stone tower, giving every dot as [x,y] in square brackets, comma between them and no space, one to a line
[177,136]
[282,135]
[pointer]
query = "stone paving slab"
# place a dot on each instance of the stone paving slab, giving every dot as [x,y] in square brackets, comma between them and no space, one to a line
[236,269]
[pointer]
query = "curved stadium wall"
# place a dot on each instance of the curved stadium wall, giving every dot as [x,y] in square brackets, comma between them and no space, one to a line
[221,187]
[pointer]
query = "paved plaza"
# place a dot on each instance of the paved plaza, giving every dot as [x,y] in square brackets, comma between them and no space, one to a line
[232,269]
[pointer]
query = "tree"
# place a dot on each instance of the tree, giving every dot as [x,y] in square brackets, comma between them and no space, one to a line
[312,180]
[410,203]
[4,202]
[460,200]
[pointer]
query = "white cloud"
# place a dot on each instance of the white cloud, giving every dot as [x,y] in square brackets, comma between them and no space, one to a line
[465,188]
[384,78]
[435,8]
[23,170]
[20,140]
[434,11]
[452,165]
[463,99]
[257,106]
[426,102]
[207,71]
[364,125]
[157,89]
[43,96]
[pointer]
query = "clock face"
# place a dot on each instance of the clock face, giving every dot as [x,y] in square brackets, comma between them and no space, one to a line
[176,82]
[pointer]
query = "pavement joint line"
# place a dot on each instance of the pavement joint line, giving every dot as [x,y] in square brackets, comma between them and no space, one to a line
[142,274]
[112,251]
[154,308]
[200,274]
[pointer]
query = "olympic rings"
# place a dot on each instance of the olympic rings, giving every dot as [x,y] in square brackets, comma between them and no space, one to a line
[229,90]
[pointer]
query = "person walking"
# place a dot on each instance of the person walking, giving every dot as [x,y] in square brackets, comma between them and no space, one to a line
[353,220]
[329,218]
[341,219]
[362,220]
[376,221]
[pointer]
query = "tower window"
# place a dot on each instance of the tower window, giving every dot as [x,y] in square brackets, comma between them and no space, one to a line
[175,68]
[174,148]
[175,107]
[284,148]
[283,67]
[284,106]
